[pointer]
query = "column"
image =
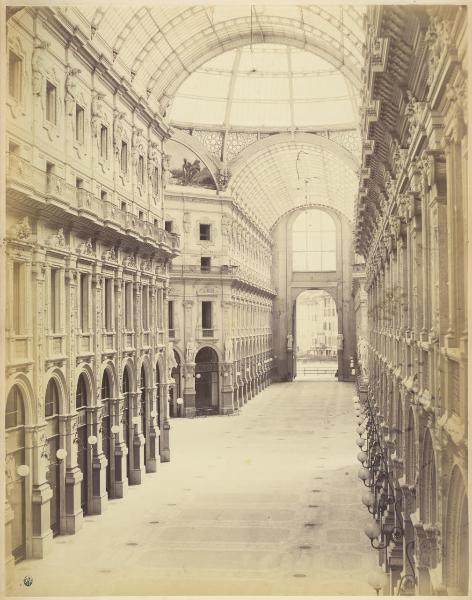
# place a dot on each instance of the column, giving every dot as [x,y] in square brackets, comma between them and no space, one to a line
[97,472]
[226,405]
[74,476]
[118,449]
[137,468]
[36,443]
[153,430]
[189,365]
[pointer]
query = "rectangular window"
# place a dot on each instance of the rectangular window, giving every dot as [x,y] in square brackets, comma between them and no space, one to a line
[109,304]
[104,142]
[168,226]
[84,302]
[141,169]
[145,307]
[206,316]
[205,263]
[16,298]
[124,157]
[14,75]
[103,195]
[55,300]
[79,124]
[170,315]
[155,181]
[204,231]
[51,102]
[129,306]
[79,183]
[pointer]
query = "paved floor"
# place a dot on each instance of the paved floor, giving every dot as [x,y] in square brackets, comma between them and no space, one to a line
[265,502]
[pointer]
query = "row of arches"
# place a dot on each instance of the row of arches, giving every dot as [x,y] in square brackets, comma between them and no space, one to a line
[108,441]
[431,486]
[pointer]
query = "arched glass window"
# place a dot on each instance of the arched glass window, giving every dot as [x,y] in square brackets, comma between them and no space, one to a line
[52,399]
[81,393]
[14,412]
[314,241]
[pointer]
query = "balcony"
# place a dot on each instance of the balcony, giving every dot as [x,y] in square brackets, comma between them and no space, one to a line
[26,182]
[202,270]
[207,333]
[171,334]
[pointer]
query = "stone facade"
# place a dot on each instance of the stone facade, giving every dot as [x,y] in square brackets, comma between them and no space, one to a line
[231,270]
[412,231]
[87,279]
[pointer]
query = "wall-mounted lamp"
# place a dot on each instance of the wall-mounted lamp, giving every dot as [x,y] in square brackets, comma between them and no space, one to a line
[61,454]
[198,376]
[377,579]
[115,429]
[135,420]
[153,414]
[23,470]
[92,440]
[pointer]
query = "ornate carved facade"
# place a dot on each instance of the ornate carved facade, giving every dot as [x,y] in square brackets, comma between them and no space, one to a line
[412,229]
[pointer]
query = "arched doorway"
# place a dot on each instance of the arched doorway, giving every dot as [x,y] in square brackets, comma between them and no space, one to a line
[81,401]
[105,394]
[125,387]
[15,481]
[457,536]
[315,347]
[206,381]
[53,474]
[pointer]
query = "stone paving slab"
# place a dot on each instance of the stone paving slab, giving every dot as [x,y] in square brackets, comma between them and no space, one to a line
[263,503]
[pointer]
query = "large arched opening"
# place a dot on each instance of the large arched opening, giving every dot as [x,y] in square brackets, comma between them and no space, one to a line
[315,350]
[107,440]
[81,403]
[206,381]
[53,474]
[15,478]
[126,391]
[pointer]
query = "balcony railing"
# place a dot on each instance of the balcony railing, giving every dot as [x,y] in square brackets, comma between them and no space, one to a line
[207,333]
[171,333]
[54,190]
[198,269]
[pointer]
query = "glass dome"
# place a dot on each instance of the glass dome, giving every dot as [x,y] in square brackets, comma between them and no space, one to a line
[268,86]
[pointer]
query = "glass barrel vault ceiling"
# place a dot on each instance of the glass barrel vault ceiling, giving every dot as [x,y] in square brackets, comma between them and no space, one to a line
[266,86]
[285,68]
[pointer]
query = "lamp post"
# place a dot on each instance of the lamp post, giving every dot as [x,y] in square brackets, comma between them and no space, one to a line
[377,579]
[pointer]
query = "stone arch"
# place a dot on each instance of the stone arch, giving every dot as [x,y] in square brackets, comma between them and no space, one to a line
[109,367]
[213,347]
[128,364]
[411,462]
[145,362]
[85,370]
[24,386]
[58,377]
[428,481]
[456,534]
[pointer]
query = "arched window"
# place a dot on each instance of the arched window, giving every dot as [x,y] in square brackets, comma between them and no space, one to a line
[314,241]
[52,399]
[81,393]
[14,412]
[105,393]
